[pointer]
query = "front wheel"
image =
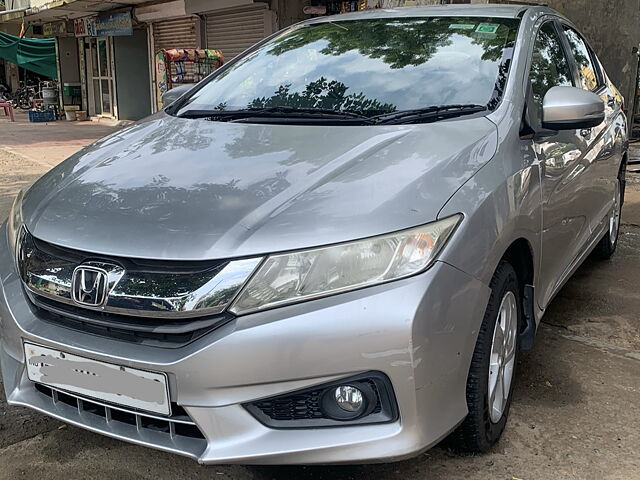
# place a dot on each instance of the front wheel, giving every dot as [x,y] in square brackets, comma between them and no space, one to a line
[493,366]
[607,246]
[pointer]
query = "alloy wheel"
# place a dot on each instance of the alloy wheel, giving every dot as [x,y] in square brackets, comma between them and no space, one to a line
[502,359]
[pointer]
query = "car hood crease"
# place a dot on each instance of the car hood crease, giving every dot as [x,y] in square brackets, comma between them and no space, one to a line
[180,189]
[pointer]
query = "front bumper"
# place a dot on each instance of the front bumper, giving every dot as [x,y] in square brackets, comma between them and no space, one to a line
[419,331]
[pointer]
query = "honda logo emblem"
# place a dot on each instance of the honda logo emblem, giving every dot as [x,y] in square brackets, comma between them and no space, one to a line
[90,286]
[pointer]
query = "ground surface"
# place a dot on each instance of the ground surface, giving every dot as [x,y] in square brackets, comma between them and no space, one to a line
[574,415]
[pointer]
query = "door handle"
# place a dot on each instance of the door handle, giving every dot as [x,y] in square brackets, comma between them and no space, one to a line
[585,132]
[611,101]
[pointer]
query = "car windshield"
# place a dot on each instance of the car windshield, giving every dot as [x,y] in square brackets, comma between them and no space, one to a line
[371,67]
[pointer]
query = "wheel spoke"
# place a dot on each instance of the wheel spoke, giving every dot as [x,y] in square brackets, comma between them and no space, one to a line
[510,354]
[505,324]
[496,404]
[498,339]
[505,390]
[492,393]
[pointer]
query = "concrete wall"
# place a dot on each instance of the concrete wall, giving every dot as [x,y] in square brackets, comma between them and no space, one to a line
[14,4]
[11,73]
[69,65]
[613,30]
[289,11]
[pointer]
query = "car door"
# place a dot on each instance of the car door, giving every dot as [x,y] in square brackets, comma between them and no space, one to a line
[601,162]
[565,225]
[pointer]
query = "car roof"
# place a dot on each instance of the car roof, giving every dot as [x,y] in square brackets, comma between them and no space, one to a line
[469,10]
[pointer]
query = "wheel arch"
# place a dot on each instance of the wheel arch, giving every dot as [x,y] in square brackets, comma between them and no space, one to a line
[520,256]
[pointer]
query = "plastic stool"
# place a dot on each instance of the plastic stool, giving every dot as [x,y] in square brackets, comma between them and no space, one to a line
[8,110]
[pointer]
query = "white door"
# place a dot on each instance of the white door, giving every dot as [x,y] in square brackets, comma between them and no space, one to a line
[100,74]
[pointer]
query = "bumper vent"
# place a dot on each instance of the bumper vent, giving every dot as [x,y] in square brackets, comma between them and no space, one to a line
[178,429]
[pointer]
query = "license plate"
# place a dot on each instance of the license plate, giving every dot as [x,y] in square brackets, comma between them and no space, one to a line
[116,384]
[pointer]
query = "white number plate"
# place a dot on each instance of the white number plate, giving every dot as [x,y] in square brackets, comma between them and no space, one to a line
[102,381]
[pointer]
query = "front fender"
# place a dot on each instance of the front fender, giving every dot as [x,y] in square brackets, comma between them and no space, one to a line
[500,204]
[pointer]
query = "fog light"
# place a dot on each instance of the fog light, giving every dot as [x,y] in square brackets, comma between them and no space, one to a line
[366,398]
[348,398]
[348,401]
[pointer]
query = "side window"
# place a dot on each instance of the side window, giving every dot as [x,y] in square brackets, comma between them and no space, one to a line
[586,68]
[549,65]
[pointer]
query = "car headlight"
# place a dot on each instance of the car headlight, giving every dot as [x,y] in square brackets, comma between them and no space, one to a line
[14,225]
[294,277]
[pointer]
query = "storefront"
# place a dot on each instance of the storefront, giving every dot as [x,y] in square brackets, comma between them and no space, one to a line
[182,32]
[100,79]
[235,29]
[113,55]
[169,26]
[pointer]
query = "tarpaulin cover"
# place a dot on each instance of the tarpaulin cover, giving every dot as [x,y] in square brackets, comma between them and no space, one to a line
[35,54]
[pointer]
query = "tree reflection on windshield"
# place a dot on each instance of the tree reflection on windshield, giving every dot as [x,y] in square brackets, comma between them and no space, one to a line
[372,66]
[323,94]
[397,43]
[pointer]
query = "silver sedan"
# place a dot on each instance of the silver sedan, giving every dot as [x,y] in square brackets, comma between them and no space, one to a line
[330,250]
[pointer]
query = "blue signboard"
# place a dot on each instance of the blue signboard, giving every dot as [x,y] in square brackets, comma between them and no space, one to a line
[113,25]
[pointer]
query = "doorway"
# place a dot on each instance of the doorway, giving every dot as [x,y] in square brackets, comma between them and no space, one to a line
[100,73]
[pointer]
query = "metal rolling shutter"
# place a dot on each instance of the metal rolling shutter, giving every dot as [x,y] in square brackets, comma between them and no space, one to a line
[234,30]
[175,33]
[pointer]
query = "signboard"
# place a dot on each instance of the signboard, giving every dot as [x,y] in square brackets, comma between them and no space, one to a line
[54,29]
[315,10]
[106,25]
[114,25]
[84,27]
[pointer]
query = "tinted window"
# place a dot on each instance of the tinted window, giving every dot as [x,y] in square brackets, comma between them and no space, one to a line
[370,66]
[549,66]
[586,68]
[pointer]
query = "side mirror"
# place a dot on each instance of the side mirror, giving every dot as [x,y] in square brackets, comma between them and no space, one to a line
[571,108]
[175,93]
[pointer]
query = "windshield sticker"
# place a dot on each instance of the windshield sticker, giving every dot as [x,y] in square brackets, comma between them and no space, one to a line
[487,28]
[462,26]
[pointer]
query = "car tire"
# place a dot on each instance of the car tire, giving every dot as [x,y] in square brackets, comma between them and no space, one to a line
[609,242]
[486,419]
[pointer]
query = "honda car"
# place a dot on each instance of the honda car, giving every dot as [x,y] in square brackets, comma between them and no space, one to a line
[330,250]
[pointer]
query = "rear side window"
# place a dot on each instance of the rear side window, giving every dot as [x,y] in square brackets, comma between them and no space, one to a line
[587,71]
[549,65]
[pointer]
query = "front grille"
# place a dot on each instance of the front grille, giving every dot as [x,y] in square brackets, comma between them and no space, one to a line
[47,270]
[144,331]
[177,433]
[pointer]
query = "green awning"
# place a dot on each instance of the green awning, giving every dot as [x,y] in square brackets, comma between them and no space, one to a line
[35,54]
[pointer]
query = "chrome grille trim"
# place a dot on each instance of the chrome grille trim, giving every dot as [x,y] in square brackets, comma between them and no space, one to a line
[203,289]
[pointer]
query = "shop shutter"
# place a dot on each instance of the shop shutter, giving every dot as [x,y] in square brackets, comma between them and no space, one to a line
[175,33]
[234,30]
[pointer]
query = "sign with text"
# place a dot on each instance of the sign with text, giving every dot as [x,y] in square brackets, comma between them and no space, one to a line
[84,27]
[106,25]
[114,25]
[54,29]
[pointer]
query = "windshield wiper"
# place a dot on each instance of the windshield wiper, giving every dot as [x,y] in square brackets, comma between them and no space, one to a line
[428,114]
[280,113]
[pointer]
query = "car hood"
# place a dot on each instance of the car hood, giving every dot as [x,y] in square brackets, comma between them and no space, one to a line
[184,189]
